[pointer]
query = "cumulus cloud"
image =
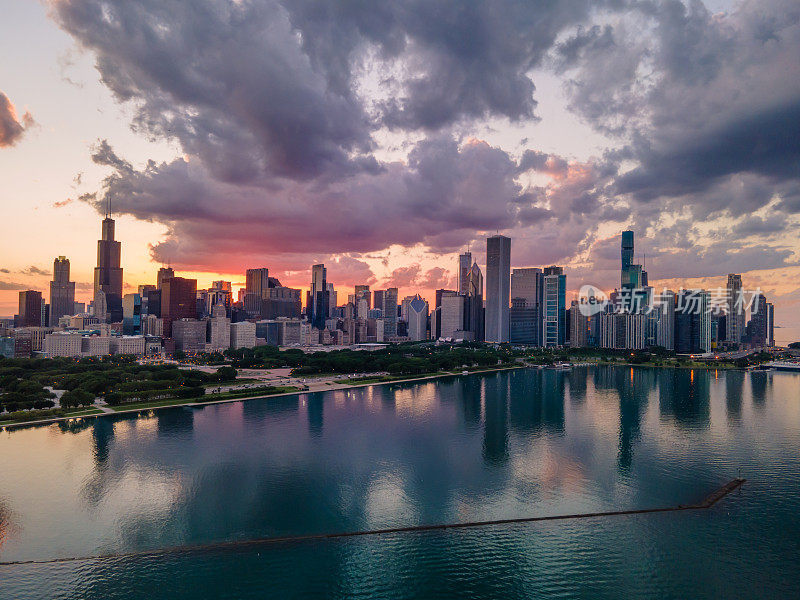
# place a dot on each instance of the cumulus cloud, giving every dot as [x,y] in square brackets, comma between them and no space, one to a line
[11,127]
[686,91]
[278,107]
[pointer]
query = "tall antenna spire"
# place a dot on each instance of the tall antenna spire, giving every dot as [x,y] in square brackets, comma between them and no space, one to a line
[108,207]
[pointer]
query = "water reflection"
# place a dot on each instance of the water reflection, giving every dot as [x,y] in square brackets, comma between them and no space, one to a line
[315,405]
[684,397]
[633,386]
[759,384]
[495,424]
[734,389]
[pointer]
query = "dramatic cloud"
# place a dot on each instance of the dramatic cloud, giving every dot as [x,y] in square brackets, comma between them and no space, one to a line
[282,111]
[709,105]
[11,128]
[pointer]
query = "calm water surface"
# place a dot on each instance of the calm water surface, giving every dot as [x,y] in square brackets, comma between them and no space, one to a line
[514,444]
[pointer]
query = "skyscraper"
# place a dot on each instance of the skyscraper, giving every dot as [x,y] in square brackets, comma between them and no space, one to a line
[256,286]
[626,252]
[524,284]
[318,311]
[464,266]
[474,306]
[735,320]
[178,301]
[62,291]
[498,282]
[631,275]
[389,312]
[164,273]
[30,309]
[108,273]
[417,319]
[552,306]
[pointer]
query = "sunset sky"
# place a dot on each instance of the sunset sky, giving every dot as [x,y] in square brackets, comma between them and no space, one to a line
[382,138]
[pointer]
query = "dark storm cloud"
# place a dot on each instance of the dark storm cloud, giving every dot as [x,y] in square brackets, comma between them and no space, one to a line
[277,107]
[708,104]
[462,188]
[11,128]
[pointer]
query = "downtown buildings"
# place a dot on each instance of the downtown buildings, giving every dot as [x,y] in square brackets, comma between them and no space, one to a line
[525,306]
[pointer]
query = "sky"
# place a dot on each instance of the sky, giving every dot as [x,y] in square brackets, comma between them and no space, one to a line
[383,138]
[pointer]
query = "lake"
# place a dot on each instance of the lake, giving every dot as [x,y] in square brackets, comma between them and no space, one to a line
[468,448]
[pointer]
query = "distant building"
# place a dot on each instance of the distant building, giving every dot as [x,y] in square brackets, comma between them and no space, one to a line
[189,334]
[452,316]
[692,322]
[319,302]
[132,314]
[464,266]
[475,318]
[281,302]
[498,281]
[134,344]
[164,273]
[417,319]
[62,292]
[178,301]
[243,334]
[108,274]
[735,321]
[579,327]
[665,336]
[389,310]
[62,343]
[30,309]
[552,306]
[525,285]
[219,329]
[524,323]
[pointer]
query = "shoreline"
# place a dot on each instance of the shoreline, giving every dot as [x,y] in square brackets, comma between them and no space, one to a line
[190,403]
[347,386]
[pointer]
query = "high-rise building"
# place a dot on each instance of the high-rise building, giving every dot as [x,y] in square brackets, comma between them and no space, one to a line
[475,318]
[552,306]
[758,327]
[178,301]
[281,302]
[62,291]
[665,337]
[132,314]
[332,299]
[163,274]
[318,309]
[524,284]
[452,318]
[256,288]
[219,329]
[464,266]
[631,275]
[417,319]
[389,309]
[579,327]
[523,323]
[498,281]
[108,273]
[30,309]
[692,322]
[735,321]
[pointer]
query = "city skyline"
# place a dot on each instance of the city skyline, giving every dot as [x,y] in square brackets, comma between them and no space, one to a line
[546,168]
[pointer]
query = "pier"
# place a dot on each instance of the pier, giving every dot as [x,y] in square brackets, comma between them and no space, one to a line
[707,503]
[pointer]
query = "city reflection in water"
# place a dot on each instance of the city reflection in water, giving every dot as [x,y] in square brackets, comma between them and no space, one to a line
[499,445]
